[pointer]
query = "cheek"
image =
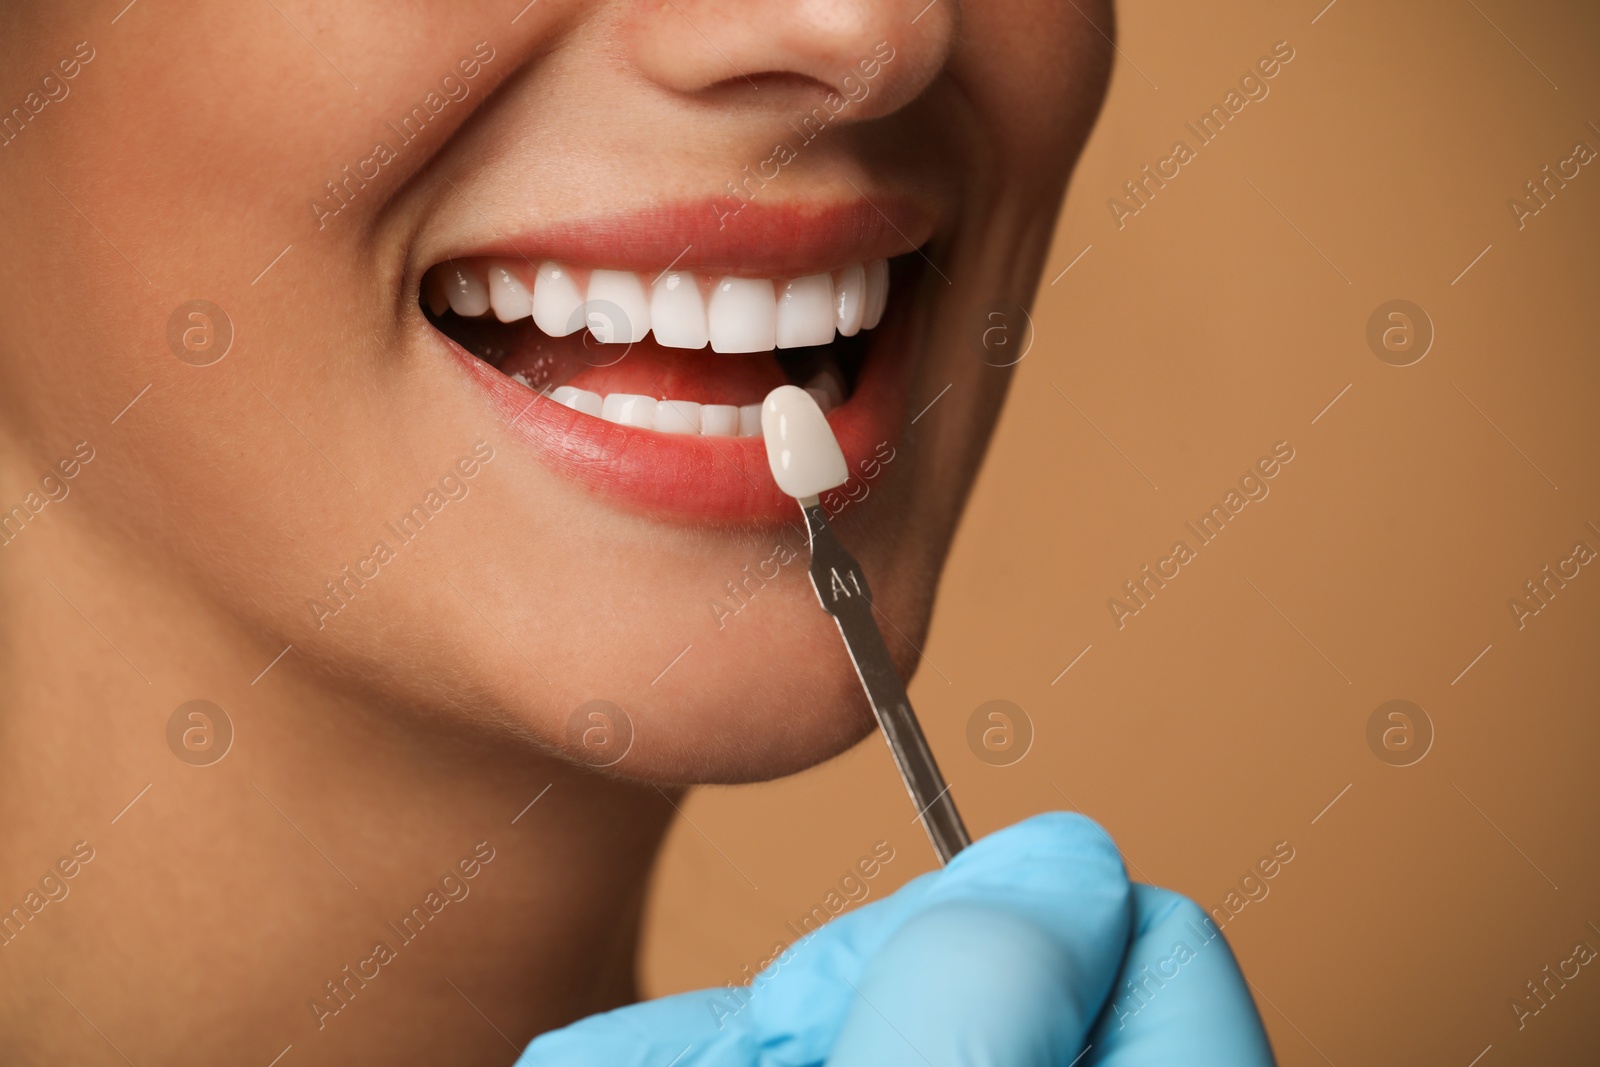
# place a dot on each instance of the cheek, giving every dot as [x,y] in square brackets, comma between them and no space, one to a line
[263,479]
[1040,65]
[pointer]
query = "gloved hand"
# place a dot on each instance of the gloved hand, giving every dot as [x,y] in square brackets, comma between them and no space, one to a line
[1031,949]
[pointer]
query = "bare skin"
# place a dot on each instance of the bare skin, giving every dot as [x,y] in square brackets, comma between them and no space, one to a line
[399,739]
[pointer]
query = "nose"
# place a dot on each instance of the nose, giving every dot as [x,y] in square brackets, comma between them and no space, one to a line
[878,54]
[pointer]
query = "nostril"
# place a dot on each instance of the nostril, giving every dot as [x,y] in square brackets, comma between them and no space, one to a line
[787,85]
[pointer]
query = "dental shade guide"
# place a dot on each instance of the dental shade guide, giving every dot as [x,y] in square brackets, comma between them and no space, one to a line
[806,462]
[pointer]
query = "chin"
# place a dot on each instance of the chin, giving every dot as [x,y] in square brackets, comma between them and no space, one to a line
[658,585]
[758,695]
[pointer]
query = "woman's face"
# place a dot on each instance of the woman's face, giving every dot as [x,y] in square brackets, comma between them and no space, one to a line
[285,234]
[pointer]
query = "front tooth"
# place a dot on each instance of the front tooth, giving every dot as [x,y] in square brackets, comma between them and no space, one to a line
[577,399]
[743,316]
[824,401]
[849,292]
[750,420]
[507,295]
[721,420]
[614,294]
[877,293]
[469,297]
[556,300]
[805,312]
[678,311]
[678,416]
[629,409]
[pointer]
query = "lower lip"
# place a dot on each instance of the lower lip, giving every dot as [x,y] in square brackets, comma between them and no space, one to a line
[703,479]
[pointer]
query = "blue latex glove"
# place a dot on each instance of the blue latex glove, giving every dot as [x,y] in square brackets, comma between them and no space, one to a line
[1028,949]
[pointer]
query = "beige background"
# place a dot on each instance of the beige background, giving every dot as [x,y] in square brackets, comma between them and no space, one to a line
[1227,715]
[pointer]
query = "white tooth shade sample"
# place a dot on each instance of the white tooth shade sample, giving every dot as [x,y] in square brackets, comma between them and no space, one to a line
[743,316]
[678,311]
[556,300]
[801,450]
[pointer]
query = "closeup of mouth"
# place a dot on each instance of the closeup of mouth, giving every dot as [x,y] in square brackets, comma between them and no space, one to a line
[646,384]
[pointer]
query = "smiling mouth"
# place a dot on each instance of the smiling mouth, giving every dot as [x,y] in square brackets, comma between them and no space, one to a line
[680,352]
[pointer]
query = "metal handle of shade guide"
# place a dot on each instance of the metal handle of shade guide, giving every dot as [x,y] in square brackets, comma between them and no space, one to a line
[842,588]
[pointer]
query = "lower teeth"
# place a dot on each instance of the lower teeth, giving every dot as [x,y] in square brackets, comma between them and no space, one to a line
[683,416]
[545,365]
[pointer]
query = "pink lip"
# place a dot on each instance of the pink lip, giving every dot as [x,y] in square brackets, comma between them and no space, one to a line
[707,479]
[775,239]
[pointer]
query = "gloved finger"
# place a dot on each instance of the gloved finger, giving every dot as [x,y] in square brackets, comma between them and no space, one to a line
[803,995]
[1008,960]
[1180,997]
[793,1011]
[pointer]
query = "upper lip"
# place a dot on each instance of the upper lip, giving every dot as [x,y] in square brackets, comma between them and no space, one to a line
[759,239]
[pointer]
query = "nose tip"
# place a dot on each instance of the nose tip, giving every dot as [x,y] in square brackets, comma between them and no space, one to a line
[877,54]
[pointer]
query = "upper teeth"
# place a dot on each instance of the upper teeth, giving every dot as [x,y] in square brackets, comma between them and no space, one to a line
[683,309]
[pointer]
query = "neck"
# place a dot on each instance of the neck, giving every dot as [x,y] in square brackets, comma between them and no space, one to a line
[362,881]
